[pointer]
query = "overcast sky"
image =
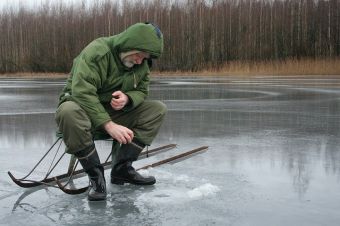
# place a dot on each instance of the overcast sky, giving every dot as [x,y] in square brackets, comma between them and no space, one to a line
[34,3]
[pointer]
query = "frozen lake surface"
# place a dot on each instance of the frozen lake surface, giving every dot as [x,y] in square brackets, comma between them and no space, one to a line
[273,157]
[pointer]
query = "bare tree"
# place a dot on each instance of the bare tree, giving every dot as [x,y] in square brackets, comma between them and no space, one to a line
[197,33]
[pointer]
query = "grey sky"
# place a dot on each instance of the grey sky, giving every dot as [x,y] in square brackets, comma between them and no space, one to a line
[34,3]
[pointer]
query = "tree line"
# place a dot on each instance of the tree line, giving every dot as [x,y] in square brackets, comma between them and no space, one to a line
[198,34]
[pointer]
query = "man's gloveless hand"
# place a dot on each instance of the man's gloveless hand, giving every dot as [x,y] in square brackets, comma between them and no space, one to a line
[119,100]
[120,133]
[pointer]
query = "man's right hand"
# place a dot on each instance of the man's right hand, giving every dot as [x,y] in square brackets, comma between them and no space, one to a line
[120,133]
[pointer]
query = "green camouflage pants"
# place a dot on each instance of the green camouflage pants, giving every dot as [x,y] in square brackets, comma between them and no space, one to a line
[78,134]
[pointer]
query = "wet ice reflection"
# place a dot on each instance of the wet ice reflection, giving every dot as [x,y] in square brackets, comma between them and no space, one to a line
[273,156]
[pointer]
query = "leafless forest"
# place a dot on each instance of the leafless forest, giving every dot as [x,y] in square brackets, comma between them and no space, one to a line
[198,34]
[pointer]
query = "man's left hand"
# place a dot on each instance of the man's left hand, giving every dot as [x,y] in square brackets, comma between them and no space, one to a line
[119,100]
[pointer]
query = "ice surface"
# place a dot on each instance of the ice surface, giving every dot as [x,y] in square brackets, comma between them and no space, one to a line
[273,157]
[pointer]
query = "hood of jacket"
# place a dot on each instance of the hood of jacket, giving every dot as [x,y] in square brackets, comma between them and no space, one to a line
[144,37]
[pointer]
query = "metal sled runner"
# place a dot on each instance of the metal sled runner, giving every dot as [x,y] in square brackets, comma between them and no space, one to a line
[72,173]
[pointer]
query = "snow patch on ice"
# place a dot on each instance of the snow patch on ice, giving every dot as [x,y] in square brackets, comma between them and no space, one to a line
[177,194]
[174,189]
[203,190]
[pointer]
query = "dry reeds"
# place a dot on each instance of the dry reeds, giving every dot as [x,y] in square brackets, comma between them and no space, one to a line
[286,67]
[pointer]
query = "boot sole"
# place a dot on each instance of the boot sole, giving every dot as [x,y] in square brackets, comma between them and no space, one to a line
[100,198]
[121,181]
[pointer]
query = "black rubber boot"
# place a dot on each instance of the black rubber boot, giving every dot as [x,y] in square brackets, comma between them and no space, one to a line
[90,161]
[122,170]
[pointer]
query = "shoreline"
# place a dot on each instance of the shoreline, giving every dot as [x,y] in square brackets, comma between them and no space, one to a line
[290,67]
[53,76]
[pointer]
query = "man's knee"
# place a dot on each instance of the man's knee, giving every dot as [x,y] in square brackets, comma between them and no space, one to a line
[67,111]
[75,126]
[159,107]
[70,115]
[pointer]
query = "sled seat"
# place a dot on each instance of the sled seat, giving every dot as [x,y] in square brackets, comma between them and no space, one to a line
[96,136]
